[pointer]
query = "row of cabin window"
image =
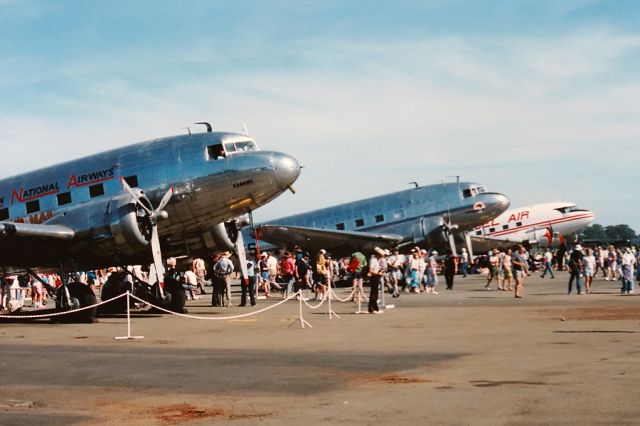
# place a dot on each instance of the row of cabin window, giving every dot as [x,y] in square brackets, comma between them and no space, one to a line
[359,222]
[65,197]
[518,224]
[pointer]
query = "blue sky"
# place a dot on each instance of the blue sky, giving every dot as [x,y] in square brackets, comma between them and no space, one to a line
[536,99]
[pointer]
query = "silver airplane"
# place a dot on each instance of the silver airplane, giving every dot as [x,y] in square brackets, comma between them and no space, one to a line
[175,195]
[433,215]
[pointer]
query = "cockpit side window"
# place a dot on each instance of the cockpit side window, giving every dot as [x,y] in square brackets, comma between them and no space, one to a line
[215,152]
[469,192]
[472,191]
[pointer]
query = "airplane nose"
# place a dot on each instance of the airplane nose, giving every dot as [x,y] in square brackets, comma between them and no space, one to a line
[497,202]
[286,169]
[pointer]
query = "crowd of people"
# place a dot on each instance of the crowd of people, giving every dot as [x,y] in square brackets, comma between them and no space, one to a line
[416,271]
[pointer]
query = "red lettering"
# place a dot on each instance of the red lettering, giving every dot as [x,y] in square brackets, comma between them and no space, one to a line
[15,195]
[72,182]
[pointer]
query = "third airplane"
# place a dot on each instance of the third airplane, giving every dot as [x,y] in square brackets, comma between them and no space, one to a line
[541,225]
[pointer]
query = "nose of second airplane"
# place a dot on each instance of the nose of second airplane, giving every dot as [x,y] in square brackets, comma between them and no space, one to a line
[286,169]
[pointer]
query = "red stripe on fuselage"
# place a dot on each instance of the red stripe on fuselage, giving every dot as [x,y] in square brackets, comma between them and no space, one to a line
[541,224]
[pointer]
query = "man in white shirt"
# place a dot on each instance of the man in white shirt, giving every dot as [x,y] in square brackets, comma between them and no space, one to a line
[548,257]
[628,263]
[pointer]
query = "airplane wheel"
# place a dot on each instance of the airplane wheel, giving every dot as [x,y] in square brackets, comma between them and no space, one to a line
[178,300]
[81,296]
[110,289]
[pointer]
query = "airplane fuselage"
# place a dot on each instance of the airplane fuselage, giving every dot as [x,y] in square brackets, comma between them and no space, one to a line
[417,214]
[542,225]
[208,189]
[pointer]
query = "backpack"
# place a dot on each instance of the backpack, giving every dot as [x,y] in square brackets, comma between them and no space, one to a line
[354,263]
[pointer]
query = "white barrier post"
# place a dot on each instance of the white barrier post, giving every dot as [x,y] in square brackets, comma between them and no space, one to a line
[359,311]
[128,336]
[302,321]
[331,313]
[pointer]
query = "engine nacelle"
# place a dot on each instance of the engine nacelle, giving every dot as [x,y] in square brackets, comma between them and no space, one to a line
[110,227]
[225,235]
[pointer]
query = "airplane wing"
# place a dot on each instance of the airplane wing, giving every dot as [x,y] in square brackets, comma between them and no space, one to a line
[12,230]
[336,242]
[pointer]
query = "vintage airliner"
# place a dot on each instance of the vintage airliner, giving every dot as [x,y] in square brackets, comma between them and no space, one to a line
[175,195]
[541,225]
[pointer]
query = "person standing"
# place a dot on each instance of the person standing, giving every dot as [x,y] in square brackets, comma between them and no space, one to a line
[375,274]
[494,269]
[200,271]
[304,272]
[287,272]
[547,258]
[356,265]
[612,263]
[450,269]
[396,265]
[520,269]
[628,262]
[590,267]
[432,273]
[507,270]
[576,267]
[464,262]
[222,270]
[250,285]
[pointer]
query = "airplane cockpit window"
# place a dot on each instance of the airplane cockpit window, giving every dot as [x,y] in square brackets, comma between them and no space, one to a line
[215,152]
[473,190]
[570,209]
[230,147]
[246,146]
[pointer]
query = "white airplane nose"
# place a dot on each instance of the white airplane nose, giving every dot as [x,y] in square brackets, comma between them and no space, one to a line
[286,169]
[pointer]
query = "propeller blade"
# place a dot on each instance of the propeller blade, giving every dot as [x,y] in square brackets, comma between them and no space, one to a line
[165,200]
[242,257]
[157,258]
[467,239]
[127,188]
[452,244]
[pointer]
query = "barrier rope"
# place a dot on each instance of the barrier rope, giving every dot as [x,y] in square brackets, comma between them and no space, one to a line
[343,300]
[58,314]
[218,318]
[324,299]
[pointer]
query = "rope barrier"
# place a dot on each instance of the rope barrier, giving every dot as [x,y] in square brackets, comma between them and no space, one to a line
[217,318]
[324,298]
[345,300]
[58,314]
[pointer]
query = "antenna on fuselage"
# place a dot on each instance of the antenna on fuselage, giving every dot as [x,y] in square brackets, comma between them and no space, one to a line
[188,130]
[244,129]
[209,128]
[414,183]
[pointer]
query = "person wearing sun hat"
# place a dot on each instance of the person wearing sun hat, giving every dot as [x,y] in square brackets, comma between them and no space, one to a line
[576,268]
[375,274]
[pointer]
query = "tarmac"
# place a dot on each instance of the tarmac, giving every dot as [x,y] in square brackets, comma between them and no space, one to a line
[463,357]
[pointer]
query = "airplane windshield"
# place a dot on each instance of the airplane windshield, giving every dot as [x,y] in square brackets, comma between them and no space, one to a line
[472,191]
[217,151]
[570,209]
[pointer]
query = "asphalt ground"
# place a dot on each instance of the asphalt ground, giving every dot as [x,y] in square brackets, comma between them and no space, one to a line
[466,356]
